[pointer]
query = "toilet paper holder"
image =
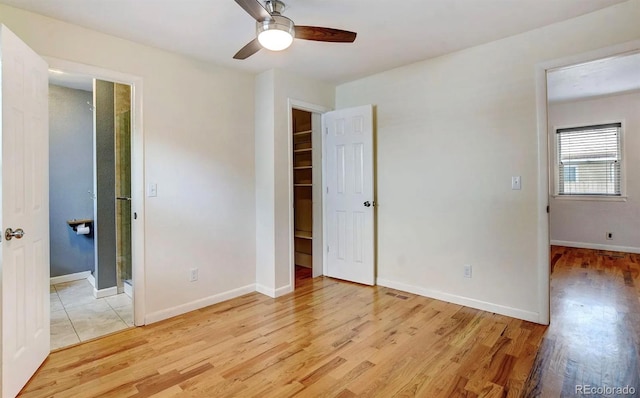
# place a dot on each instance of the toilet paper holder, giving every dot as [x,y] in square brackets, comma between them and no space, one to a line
[74,224]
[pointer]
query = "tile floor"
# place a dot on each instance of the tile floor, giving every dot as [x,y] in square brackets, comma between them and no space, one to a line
[77,316]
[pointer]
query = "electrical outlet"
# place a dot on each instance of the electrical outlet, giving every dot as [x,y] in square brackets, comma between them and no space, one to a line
[467,271]
[193,276]
[609,235]
[516,183]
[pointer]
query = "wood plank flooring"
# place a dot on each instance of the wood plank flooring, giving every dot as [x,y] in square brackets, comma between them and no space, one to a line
[594,334]
[336,339]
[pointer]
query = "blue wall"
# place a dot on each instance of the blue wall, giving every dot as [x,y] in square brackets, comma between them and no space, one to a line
[70,178]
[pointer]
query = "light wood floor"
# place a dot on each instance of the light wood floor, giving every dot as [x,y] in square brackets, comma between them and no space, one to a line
[594,334]
[332,338]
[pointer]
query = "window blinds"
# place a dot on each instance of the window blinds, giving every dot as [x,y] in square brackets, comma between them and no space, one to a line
[589,160]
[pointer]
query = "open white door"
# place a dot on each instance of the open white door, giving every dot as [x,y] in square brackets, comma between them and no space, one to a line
[24,203]
[348,194]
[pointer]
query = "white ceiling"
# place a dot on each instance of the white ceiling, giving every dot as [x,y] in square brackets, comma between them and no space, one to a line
[70,80]
[390,33]
[594,79]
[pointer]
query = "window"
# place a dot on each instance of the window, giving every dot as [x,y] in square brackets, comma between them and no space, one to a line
[589,160]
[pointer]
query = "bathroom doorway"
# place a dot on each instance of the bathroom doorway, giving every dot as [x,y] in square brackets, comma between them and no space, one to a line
[90,208]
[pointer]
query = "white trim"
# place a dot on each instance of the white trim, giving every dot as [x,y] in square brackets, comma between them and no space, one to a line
[305,106]
[110,291]
[543,260]
[137,169]
[92,280]
[274,293]
[596,246]
[325,186]
[197,304]
[54,280]
[593,198]
[543,160]
[461,300]
[128,289]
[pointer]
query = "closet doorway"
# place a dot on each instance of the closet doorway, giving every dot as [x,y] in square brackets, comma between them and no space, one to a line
[306,160]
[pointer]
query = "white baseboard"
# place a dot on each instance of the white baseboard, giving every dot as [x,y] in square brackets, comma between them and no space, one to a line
[461,300]
[110,291]
[92,280]
[274,293]
[69,277]
[197,304]
[596,246]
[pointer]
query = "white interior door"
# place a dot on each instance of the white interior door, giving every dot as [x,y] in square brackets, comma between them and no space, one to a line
[24,202]
[348,195]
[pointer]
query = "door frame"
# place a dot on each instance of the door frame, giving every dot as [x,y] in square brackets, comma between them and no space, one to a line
[318,110]
[544,190]
[137,170]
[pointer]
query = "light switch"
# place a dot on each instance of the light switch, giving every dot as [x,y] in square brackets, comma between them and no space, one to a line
[152,190]
[515,183]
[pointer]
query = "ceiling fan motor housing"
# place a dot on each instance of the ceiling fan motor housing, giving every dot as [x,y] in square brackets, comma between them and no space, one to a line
[277,22]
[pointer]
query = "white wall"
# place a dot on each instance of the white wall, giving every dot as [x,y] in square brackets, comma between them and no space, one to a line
[451,131]
[274,88]
[265,181]
[584,223]
[199,149]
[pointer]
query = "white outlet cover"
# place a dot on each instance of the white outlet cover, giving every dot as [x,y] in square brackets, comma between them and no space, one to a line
[516,183]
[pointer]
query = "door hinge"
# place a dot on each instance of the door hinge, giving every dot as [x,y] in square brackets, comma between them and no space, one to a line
[326,130]
[327,189]
[547,208]
[327,248]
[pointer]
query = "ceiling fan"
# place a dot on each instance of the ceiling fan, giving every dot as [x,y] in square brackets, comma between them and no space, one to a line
[276,32]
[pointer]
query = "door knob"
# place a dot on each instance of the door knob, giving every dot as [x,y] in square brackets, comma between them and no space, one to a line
[367,204]
[10,233]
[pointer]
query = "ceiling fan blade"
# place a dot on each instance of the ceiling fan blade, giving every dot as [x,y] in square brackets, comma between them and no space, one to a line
[255,9]
[251,48]
[318,33]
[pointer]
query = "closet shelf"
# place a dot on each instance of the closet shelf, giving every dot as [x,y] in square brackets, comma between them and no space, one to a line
[302,132]
[303,167]
[302,150]
[303,234]
[302,185]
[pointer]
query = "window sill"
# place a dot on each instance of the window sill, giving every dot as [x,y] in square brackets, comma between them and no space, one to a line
[595,198]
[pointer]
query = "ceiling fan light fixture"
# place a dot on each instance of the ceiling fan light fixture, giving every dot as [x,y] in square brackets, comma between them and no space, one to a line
[275,34]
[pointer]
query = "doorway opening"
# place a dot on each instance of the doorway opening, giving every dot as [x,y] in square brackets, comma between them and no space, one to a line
[95,136]
[336,164]
[305,143]
[302,192]
[90,227]
[591,136]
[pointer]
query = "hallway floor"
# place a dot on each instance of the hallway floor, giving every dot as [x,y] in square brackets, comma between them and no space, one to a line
[77,316]
[594,335]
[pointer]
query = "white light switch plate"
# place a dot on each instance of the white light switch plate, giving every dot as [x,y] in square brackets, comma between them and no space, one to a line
[516,183]
[152,190]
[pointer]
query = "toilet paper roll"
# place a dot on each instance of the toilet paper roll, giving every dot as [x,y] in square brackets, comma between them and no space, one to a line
[82,229]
